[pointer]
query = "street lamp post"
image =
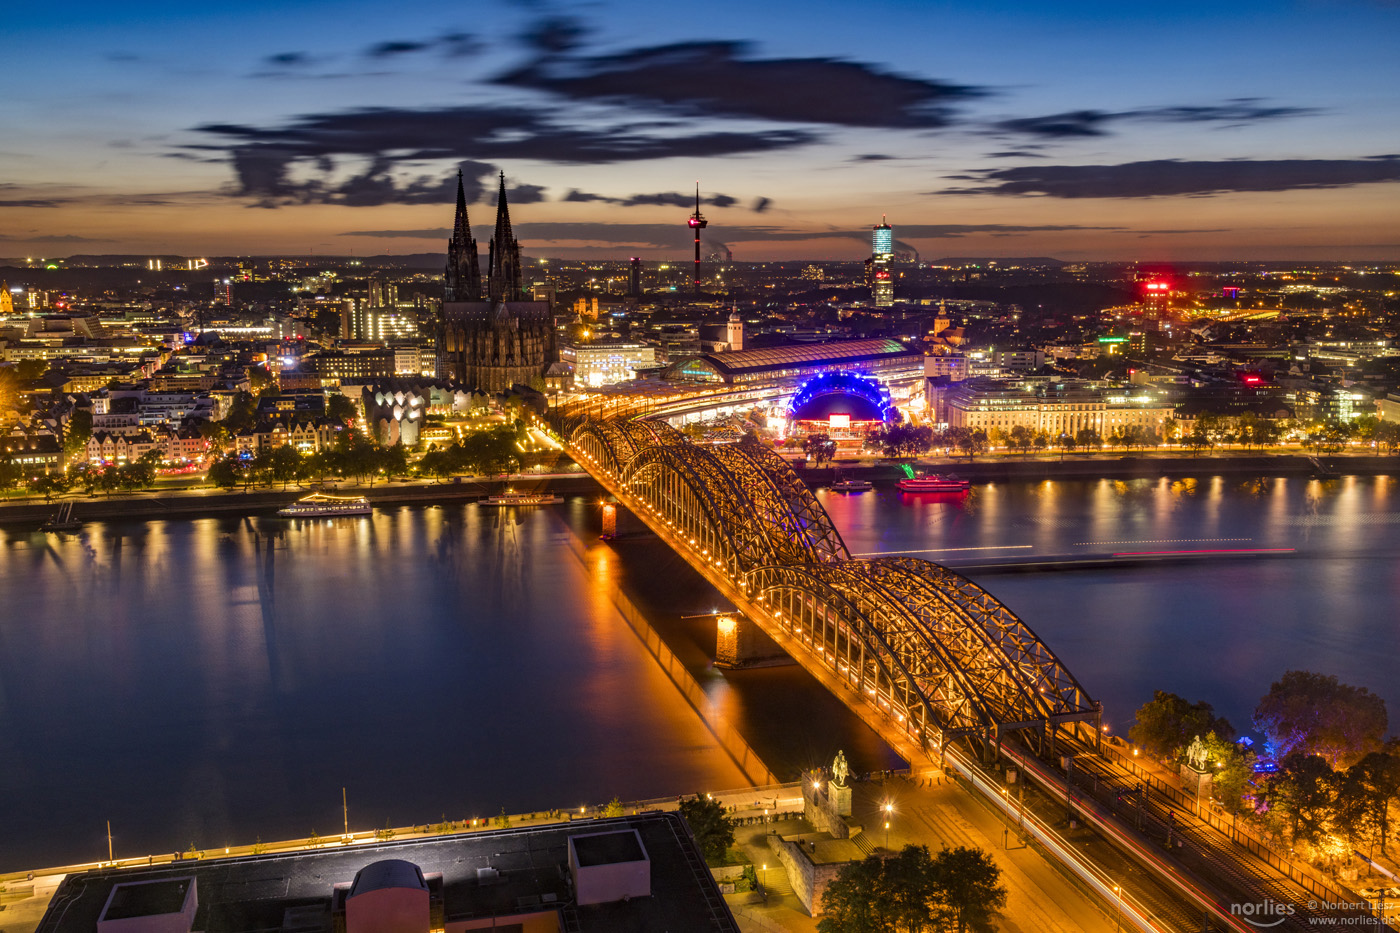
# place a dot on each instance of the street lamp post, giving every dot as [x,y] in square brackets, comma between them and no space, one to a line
[1118,915]
[889,809]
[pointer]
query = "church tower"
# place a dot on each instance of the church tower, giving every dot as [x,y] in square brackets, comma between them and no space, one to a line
[490,336]
[463,275]
[735,331]
[504,279]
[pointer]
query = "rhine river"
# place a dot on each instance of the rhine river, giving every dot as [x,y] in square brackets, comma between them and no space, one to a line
[210,681]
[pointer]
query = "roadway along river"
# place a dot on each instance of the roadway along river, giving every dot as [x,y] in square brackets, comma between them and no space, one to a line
[214,680]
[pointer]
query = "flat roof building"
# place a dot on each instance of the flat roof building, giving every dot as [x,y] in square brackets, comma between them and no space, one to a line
[876,357]
[631,874]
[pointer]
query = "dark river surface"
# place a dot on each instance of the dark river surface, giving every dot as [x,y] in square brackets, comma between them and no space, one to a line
[209,681]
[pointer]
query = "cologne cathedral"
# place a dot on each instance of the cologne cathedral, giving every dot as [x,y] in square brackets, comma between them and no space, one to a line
[490,337]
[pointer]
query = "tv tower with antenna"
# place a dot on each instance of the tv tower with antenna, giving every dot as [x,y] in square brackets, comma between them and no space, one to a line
[697,223]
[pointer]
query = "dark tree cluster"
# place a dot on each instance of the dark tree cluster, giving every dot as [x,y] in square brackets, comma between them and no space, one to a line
[712,828]
[484,452]
[1336,775]
[915,892]
[351,456]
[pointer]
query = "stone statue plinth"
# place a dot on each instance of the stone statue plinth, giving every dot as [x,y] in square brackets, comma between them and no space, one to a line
[840,799]
[1196,781]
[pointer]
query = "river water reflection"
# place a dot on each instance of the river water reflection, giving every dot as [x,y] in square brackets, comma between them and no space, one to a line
[1215,629]
[215,680]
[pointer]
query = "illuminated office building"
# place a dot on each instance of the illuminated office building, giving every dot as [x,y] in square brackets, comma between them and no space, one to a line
[879,274]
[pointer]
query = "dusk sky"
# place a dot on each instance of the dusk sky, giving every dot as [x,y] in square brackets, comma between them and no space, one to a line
[1248,130]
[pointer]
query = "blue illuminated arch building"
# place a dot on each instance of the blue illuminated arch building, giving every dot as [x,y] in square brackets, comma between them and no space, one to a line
[843,395]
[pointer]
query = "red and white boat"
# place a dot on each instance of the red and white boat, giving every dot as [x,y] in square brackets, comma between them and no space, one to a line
[934,482]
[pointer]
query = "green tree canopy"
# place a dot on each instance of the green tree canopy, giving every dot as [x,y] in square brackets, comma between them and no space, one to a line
[1167,723]
[1315,714]
[712,828]
[1368,789]
[913,892]
[1304,791]
[78,432]
[341,407]
[905,440]
[1232,772]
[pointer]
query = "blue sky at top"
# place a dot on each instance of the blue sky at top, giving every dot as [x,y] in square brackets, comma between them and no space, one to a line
[176,127]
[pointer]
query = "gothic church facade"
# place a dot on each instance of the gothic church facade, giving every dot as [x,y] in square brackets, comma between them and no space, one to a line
[490,337]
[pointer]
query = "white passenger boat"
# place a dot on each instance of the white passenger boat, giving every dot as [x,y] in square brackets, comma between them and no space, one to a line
[322,505]
[510,497]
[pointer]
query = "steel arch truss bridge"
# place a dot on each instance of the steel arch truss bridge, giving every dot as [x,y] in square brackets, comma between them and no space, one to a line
[933,654]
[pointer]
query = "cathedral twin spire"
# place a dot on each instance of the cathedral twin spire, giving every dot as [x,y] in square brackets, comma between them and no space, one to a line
[463,274]
[504,279]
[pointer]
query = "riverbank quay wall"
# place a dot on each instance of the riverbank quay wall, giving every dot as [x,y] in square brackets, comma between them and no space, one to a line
[203,502]
[206,502]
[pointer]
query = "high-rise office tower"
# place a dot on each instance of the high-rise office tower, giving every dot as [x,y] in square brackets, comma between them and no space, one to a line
[879,274]
[634,278]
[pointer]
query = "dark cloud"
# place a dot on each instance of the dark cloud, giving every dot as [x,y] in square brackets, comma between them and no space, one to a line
[289,60]
[586,197]
[667,199]
[873,157]
[720,79]
[1016,154]
[451,44]
[676,199]
[265,176]
[1060,125]
[50,238]
[1080,123]
[268,161]
[396,47]
[1168,177]
[33,202]
[520,194]
[430,233]
[761,204]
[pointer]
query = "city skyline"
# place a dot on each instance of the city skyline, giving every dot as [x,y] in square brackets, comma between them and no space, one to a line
[1073,130]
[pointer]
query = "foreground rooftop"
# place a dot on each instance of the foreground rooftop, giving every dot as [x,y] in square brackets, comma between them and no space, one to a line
[486,877]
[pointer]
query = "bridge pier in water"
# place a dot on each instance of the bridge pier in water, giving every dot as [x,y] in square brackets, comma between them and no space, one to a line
[740,642]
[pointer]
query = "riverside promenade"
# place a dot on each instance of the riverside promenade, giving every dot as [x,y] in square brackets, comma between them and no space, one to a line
[198,501]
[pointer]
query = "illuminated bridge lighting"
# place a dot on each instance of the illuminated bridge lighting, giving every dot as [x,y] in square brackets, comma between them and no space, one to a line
[938,655]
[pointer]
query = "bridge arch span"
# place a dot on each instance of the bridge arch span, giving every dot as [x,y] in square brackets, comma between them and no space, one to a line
[692,492]
[935,654]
